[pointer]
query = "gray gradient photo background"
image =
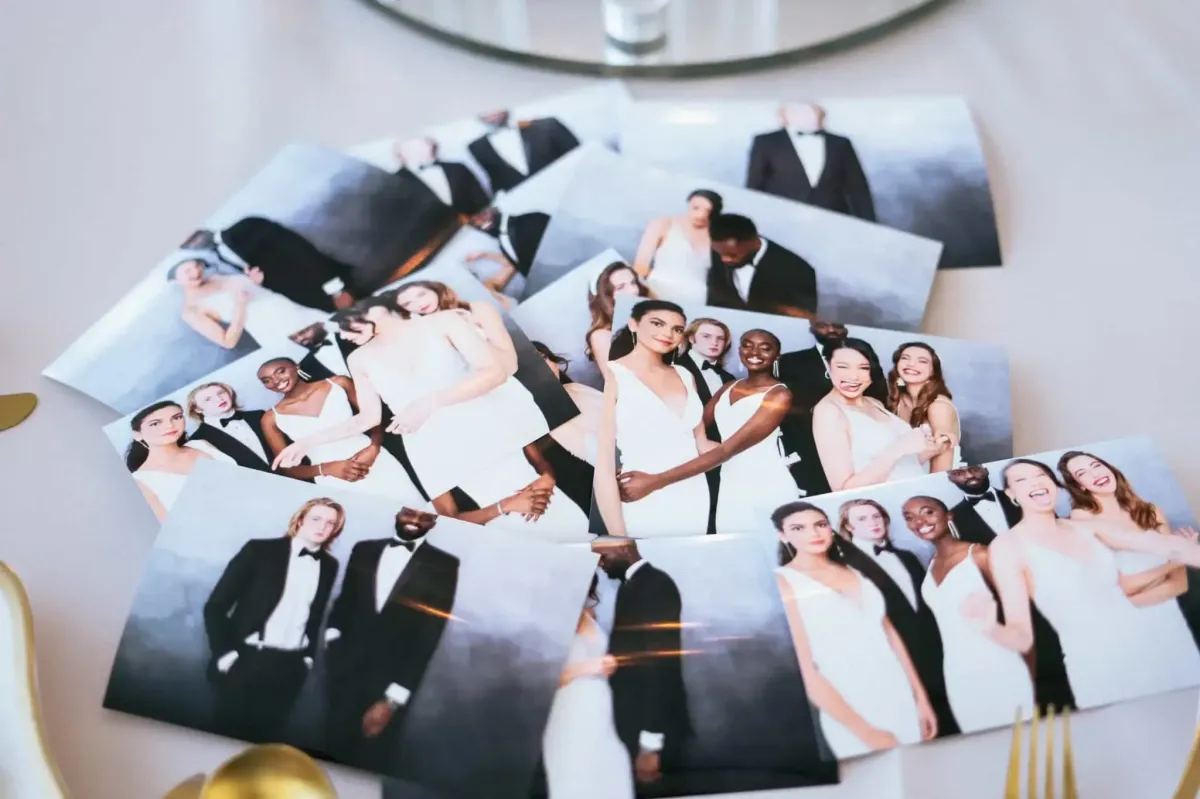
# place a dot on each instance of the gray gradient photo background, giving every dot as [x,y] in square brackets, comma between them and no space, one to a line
[142,349]
[866,274]
[593,114]
[1137,457]
[921,155]
[475,726]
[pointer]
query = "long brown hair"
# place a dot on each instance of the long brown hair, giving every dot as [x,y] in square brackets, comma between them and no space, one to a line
[602,303]
[326,502]
[936,387]
[448,299]
[843,527]
[1143,513]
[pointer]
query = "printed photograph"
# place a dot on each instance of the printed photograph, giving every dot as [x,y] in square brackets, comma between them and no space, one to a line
[692,240]
[708,415]
[912,163]
[312,232]
[1066,579]
[478,408]
[352,627]
[681,679]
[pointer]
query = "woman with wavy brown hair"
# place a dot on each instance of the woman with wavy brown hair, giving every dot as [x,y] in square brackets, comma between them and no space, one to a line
[618,278]
[917,393]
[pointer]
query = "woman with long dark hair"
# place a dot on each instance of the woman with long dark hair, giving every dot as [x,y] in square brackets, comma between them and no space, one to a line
[1068,567]
[651,411]
[917,393]
[856,669]
[676,252]
[859,441]
[616,279]
[1102,498]
[160,457]
[958,588]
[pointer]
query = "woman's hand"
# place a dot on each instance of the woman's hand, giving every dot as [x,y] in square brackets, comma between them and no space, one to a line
[636,485]
[289,456]
[366,456]
[877,739]
[529,504]
[412,417]
[1188,533]
[926,718]
[918,441]
[349,470]
[979,608]
[241,296]
[604,666]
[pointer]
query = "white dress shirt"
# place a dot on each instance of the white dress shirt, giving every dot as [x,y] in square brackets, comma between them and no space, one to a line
[391,566]
[433,176]
[711,378]
[509,146]
[228,254]
[991,512]
[241,430]
[810,149]
[890,562]
[744,276]
[647,741]
[285,626]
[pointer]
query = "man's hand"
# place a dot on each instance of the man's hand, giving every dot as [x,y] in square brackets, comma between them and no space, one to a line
[342,300]
[377,717]
[647,767]
[256,275]
[366,456]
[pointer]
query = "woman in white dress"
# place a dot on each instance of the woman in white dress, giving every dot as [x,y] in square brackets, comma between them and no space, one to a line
[578,435]
[160,457]
[986,683]
[917,393]
[355,463]
[583,757]
[651,410]
[1068,567]
[747,414]
[676,252]
[222,307]
[616,279]
[859,441]
[856,669]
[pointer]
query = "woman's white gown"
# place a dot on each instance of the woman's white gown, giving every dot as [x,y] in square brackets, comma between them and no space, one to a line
[583,757]
[165,486]
[270,317]
[1112,649]
[851,650]
[679,273]
[985,682]
[386,477]
[868,437]
[755,480]
[652,438]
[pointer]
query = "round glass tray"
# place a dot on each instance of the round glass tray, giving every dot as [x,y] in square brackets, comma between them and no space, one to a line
[655,38]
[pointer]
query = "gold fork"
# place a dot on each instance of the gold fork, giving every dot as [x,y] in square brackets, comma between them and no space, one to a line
[1012,785]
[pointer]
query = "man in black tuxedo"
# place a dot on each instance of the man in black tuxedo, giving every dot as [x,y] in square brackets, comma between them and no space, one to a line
[518,236]
[649,697]
[449,182]
[804,162]
[749,273]
[806,375]
[323,359]
[708,342]
[509,153]
[229,429]
[983,511]
[262,619]
[898,575]
[383,631]
[290,264]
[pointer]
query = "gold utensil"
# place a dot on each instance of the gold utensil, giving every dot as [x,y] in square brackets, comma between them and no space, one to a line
[1012,784]
[269,771]
[15,408]
[1189,782]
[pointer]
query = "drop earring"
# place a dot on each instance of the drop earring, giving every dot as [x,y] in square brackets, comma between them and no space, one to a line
[900,382]
[775,369]
[826,374]
[953,528]
[634,335]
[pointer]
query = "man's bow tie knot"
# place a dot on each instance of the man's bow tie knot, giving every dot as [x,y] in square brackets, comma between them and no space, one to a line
[397,542]
[708,365]
[312,553]
[234,417]
[885,547]
[988,497]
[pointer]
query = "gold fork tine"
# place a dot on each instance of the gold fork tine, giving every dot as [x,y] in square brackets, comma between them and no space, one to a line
[1012,783]
[1033,748]
[1049,753]
[1069,789]
[1189,783]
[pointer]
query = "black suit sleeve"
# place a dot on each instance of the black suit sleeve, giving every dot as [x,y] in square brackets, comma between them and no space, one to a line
[664,642]
[225,595]
[858,191]
[474,198]
[425,616]
[795,282]
[756,175]
[316,611]
[343,615]
[564,141]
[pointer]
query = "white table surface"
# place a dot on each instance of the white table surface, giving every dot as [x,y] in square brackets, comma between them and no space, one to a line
[126,121]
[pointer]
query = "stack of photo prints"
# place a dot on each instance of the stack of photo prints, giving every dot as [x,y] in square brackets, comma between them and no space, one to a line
[591,449]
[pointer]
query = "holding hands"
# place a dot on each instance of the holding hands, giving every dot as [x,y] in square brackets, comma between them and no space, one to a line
[412,417]
[531,501]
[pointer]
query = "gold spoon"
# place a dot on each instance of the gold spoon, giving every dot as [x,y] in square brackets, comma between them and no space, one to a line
[268,771]
[15,408]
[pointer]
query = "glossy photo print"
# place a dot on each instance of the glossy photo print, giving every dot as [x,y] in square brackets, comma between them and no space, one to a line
[709,414]
[911,163]
[310,233]
[352,627]
[471,398]
[1066,579]
[695,240]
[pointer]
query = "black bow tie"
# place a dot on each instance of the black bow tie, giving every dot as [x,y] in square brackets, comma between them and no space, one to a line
[808,133]
[430,165]
[235,417]
[888,547]
[708,365]
[397,542]
[322,343]
[312,553]
[988,497]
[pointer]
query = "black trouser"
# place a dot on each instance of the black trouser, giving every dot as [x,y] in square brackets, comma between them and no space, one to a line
[255,697]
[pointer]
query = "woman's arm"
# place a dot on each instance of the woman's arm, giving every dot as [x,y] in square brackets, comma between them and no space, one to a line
[370,411]
[600,342]
[831,433]
[369,453]
[1004,570]
[1174,548]
[925,714]
[151,498]
[529,504]
[651,239]
[604,480]
[210,327]
[278,444]
[487,372]
[502,277]
[943,420]
[1170,581]
[492,324]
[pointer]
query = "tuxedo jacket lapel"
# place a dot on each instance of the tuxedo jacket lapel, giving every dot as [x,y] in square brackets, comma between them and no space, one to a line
[223,441]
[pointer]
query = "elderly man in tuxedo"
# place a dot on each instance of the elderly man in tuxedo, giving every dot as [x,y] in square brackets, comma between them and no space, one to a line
[511,151]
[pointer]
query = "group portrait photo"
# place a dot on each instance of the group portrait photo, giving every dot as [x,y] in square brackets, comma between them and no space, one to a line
[352,627]
[914,164]
[708,415]
[1062,580]
[694,240]
[314,231]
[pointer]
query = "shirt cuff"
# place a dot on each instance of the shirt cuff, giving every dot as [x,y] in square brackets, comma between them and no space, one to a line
[332,634]
[308,661]
[225,662]
[332,287]
[397,694]
[650,741]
